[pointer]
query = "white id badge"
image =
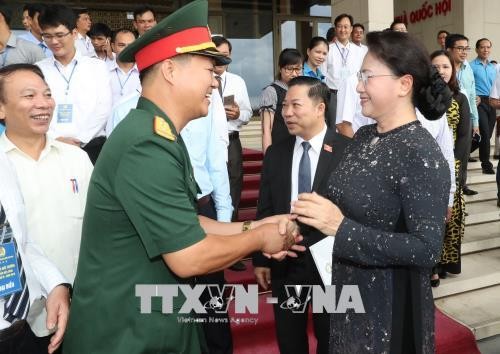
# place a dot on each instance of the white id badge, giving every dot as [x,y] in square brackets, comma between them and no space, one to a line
[65,113]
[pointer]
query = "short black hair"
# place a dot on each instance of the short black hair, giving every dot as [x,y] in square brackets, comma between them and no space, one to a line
[341,17]
[141,10]
[478,42]
[8,70]
[359,25]
[442,31]
[317,90]
[34,9]
[289,56]
[100,29]
[451,39]
[395,22]
[80,11]
[121,30]
[218,40]
[330,34]
[6,11]
[56,15]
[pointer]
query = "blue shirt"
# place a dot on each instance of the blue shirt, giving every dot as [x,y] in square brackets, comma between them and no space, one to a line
[465,77]
[205,149]
[31,38]
[484,75]
[307,71]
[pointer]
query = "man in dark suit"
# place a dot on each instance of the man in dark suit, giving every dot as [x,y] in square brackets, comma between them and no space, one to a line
[302,163]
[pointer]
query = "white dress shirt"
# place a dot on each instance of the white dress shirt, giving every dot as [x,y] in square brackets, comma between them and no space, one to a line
[233,84]
[341,62]
[54,189]
[314,152]
[207,148]
[84,46]
[88,91]
[122,83]
[42,276]
[441,132]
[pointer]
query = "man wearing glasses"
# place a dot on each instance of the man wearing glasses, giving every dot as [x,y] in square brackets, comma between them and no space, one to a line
[80,85]
[344,59]
[458,46]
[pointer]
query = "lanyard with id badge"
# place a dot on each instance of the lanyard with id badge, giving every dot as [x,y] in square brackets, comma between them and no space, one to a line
[10,278]
[65,110]
[344,54]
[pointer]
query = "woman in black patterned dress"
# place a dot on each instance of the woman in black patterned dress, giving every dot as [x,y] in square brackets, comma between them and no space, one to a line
[458,115]
[387,203]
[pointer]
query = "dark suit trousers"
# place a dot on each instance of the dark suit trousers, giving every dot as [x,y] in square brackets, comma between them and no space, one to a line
[235,171]
[291,328]
[25,342]
[487,119]
[94,147]
[217,335]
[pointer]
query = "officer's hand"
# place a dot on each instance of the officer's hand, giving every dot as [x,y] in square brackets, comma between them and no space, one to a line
[263,276]
[57,307]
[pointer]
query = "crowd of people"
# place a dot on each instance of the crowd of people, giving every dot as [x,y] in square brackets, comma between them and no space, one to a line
[116,170]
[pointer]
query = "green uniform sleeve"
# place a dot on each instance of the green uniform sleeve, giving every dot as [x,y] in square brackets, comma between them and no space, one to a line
[151,187]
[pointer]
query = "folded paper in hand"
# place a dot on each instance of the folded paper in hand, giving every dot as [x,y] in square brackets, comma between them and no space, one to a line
[322,254]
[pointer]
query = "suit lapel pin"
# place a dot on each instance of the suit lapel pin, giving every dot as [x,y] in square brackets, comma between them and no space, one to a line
[327,147]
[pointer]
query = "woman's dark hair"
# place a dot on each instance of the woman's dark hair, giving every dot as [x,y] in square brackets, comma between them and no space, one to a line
[314,42]
[288,56]
[406,55]
[453,83]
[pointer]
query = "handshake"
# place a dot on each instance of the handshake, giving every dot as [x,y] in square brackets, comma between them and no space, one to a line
[280,235]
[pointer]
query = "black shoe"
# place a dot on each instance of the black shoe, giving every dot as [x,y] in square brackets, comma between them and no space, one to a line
[471,159]
[435,282]
[488,171]
[496,157]
[468,191]
[238,266]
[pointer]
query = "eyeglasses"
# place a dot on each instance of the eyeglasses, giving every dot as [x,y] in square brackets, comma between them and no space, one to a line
[58,36]
[363,77]
[462,49]
[291,69]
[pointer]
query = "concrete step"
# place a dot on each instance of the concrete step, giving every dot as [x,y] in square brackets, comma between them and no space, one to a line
[486,191]
[479,270]
[479,310]
[481,237]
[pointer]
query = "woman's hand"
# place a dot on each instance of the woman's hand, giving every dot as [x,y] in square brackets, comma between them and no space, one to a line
[318,212]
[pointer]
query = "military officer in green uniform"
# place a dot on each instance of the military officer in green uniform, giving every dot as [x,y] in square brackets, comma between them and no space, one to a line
[140,224]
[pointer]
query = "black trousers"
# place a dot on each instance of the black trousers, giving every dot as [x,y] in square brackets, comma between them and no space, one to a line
[93,148]
[235,171]
[217,334]
[291,327]
[25,342]
[487,119]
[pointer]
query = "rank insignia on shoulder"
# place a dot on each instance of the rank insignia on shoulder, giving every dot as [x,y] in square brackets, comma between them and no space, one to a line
[162,128]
